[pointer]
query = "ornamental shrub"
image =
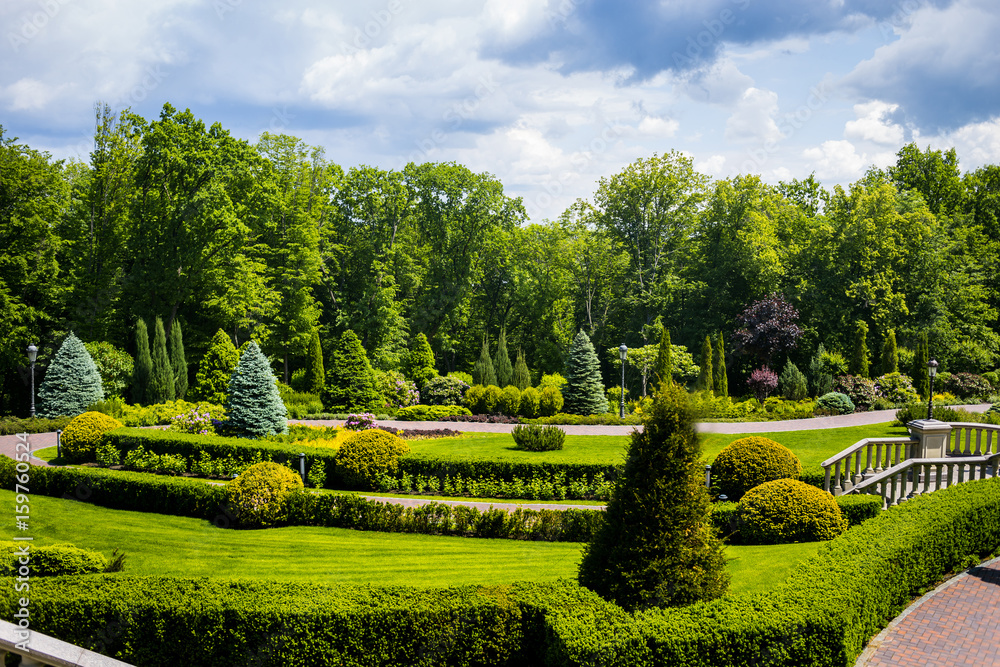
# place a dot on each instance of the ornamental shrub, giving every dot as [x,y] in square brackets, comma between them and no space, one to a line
[211,384]
[418,364]
[964,385]
[55,560]
[71,382]
[178,362]
[446,390]
[464,377]
[584,391]
[492,399]
[522,376]
[833,363]
[361,422]
[430,413]
[143,364]
[657,547]
[550,401]
[793,383]
[836,403]
[749,462]
[315,375]
[193,421]
[350,382]
[787,510]
[161,380]
[114,366]
[860,390]
[552,380]
[510,401]
[475,397]
[530,403]
[396,391]
[859,352]
[368,455]
[889,361]
[258,496]
[483,372]
[762,382]
[706,376]
[896,388]
[820,381]
[720,380]
[254,407]
[82,435]
[537,438]
[501,363]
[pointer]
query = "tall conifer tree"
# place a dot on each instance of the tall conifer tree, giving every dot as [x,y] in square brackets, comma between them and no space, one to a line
[254,406]
[212,381]
[890,354]
[161,381]
[483,372]
[178,362]
[522,376]
[921,378]
[71,382]
[584,390]
[143,364]
[706,379]
[315,378]
[501,364]
[859,352]
[663,368]
[719,367]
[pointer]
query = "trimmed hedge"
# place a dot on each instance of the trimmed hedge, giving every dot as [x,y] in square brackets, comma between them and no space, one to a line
[430,413]
[52,561]
[855,508]
[11,425]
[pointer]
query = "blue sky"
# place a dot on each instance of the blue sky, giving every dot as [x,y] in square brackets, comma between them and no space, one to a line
[548,95]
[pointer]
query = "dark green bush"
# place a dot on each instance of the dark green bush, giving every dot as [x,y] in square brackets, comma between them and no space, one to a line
[836,403]
[10,425]
[443,390]
[429,413]
[535,438]
[367,455]
[51,561]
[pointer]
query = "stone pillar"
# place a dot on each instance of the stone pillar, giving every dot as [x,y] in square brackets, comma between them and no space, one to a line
[933,438]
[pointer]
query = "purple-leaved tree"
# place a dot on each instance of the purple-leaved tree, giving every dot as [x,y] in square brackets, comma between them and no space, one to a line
[767,327]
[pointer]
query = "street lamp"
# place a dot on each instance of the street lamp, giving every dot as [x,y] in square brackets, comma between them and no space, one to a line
[621,399]
[932,367]
[32,355]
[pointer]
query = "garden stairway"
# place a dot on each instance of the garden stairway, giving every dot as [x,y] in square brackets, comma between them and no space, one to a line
[38,650]
[935,455]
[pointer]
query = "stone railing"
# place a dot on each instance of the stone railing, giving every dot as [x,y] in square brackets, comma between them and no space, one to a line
[40,650]
[848,468]
[919,476]
[972,439]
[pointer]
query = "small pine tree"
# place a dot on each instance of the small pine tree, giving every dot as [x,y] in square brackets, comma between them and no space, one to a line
[719,366]
[71,383]
[584,390]
[350,382]
[483,372]
[657,546]
[522,376]
[178,362]
[663,368]
[501,364]
[143,364]
[820,381]
[707,377]
[859,352]
[792,383]
[254,406]
[212,381]
[161,381]
[418,365]
[890,354]
[921,378]
[315,376]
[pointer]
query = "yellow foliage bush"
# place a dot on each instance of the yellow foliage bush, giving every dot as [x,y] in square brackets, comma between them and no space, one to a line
[749,462]
[367,455]
[258,495]
[787,510]
[82,435]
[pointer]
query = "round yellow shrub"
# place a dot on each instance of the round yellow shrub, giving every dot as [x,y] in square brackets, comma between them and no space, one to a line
[367,455]
[258,495]
[82,435]
[787,510]
[749,462]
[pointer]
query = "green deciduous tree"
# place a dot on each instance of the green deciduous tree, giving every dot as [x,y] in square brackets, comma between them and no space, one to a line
[706,378]
[161,380]
[71,382]
[143,364]
[657,546]
[114,365]
[212,381]
[584,390]
[178,361]
[483,372]
[350,382]
[254,407]
[721,380]
[522,376]
[315,378]
[859,352]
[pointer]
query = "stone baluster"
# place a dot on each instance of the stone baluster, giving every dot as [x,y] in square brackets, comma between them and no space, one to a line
[838,490]
[868,459]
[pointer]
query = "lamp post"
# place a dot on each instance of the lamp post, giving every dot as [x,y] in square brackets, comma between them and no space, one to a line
[932,367]
[621,399]
[32,355]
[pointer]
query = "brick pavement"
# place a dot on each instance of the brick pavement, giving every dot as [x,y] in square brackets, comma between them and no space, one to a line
[958,623]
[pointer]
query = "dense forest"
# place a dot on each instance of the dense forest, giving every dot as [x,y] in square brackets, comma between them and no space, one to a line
[273,240]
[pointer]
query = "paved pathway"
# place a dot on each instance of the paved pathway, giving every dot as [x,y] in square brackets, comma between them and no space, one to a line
[36,441]
[958,623]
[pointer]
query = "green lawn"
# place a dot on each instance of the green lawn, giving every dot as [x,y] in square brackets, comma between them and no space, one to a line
[156,544]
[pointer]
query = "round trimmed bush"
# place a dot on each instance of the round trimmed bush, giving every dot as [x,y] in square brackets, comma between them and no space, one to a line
[530,403]
[837,403]
[787,510]
[367,455]
[510,401]
[53,561]
[749,462]
[82,435]
[474,398]
[550,402]
[491,399]
[258,495]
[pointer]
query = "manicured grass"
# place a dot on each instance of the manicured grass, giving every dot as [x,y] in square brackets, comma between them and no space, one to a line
[47,454]
[600,449]
[156,544]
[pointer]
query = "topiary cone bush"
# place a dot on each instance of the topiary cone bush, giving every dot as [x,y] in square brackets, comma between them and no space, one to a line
[367,455]
[750,462]
[258,495]
[254,406]
[657,547]
[71,382]
[82,435]
[787,510]
[212,381]
[350,382]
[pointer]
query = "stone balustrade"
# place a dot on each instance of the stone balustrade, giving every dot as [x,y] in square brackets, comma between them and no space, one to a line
[972,439]
[865,457]
[41,650]
[919,476]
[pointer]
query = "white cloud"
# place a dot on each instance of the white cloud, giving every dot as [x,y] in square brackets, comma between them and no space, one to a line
[29,94]
[871,124]
[753,118]
[836,160]
[663,128]
[722,83]
[712,165]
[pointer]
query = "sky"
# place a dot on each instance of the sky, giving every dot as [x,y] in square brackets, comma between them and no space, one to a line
[550,96]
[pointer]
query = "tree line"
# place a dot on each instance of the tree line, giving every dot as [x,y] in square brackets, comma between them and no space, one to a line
[178,220]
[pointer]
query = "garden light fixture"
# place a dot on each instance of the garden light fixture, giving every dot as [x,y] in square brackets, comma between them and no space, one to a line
[32,355]
[932,367]
[622,351]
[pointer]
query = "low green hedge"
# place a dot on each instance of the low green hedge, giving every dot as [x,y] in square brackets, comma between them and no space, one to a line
[430,413]
[506,470]
[11,425]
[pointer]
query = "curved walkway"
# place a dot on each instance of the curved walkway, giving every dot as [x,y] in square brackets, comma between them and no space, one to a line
[958,623]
